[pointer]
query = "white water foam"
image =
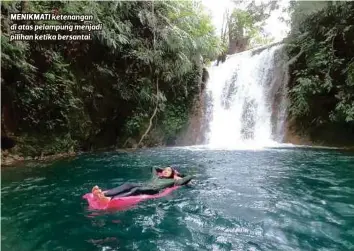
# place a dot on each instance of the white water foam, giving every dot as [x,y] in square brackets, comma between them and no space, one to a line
[248,101]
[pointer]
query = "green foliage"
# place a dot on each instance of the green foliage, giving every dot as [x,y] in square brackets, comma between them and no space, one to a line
[345,107]
[175,118]
[133,125]
[300,11]
[94,93]
[244,24]
[36,145]
[322,86]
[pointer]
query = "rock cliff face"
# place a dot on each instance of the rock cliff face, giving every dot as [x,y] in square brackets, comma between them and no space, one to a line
[194,131]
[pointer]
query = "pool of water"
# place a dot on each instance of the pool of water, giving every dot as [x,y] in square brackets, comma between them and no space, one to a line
[266,199]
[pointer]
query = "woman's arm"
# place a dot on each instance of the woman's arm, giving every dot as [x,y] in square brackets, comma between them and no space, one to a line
[184,181]
[179,174]
[155,171]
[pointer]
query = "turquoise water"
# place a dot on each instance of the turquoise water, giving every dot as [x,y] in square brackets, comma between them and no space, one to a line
[274,199]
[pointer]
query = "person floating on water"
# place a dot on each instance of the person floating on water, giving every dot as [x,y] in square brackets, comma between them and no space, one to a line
[168,178]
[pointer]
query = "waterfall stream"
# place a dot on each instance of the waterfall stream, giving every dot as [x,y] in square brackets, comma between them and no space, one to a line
[247,99]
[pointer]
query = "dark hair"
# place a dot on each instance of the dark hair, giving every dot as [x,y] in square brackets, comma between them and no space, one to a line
[172,173]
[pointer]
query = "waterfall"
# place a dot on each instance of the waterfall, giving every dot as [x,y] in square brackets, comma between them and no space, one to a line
[247,99]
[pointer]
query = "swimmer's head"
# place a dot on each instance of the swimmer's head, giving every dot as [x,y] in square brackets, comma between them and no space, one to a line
[168,172]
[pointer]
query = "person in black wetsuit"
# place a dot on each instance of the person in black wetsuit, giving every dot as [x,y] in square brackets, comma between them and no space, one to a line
[168,178]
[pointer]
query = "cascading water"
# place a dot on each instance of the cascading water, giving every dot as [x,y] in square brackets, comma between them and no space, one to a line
[247,99]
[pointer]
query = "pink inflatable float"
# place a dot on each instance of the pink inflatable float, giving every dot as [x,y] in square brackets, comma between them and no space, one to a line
[124,202]
[120,203]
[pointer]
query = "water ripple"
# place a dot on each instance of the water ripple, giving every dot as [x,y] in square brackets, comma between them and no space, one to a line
[281,199]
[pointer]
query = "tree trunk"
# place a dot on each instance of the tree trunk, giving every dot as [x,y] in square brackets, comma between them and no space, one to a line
[152,117]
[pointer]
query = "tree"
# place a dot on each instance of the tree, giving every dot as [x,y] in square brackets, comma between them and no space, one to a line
[243,25]
[90,94]
[321,84]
